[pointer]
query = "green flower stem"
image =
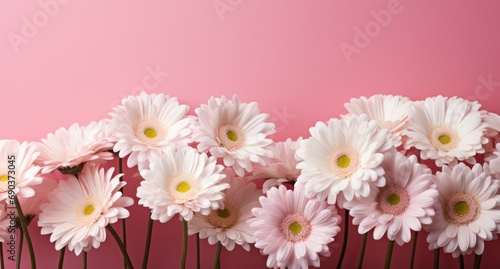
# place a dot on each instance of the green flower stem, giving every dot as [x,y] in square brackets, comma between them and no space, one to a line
[84,260]
[344,242]
[413,249]
[2,264]
[61,258]
[436,258]
[26,232]
[477,261]
[120,244]
[388,256]
[148,244]
[461,260]
[198,251]
[20,252]
[124,222]
[185,244]
[362,254]
[217,256]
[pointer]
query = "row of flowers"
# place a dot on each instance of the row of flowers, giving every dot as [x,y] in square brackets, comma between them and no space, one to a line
[395,166]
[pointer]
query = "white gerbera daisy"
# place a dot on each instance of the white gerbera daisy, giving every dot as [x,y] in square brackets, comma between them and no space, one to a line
[79,209]
[68,150]
[228,225]
[282,166]
[390,112]
[18,173]
[147,124]
[402,205]
[343,156]
[6,219]
[235,132]
[467,210]
[182,181]
[293,229]
[446,129]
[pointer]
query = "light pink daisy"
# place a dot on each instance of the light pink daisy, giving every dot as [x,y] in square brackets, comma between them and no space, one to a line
[402,206]
[229,225]
[235,132]
[467,210]
[6,219]
[293,230]
[390,112]
[31,206]
[18,171]
[282,166]
[147,125]
[69,149]
[79,209]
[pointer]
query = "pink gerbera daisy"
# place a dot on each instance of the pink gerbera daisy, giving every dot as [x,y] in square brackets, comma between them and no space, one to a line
[467,210]
[69,149]
[293,229]
[403,205]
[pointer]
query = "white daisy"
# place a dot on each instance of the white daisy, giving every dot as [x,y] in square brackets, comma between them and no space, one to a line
[228,225]
[68,150]
[467,210]
[390,112]
[446,129]
[235,132]
[182,181]
[293,230]
[147,124]
[402,205]
[282,166]
[343,156]
[79,209]
[18,172]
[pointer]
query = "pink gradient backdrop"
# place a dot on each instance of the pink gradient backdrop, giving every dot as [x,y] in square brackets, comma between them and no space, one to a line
[285,55]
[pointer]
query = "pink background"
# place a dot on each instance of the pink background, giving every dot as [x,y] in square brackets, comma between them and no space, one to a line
[80,58]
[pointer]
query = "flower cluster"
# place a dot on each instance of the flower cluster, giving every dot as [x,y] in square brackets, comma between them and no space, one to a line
[393,165]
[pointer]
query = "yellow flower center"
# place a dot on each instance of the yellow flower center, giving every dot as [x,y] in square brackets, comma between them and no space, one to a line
[150,132]
[88,210]
[183,187]
[393,199]
[223,213]
[295,228]
[343,161]
[444,139]
[461,208]
[4,178]
[232,136]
